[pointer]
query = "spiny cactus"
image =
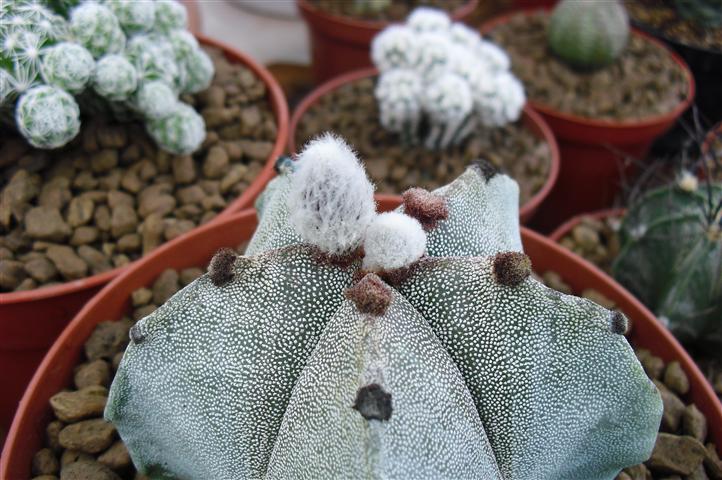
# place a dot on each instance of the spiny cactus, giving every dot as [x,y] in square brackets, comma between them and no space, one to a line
[671,258]
[413,344]
[588,35]
[442,81]
[47,116]
[706,13]
[120,49]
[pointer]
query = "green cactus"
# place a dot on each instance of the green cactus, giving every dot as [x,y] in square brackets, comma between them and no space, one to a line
[170,15]
[156,100]
[588,35]
[47,116]
[68,66]
[181,132]
[706,13]
[671,259]
[304,360]
[115,78]
[134,16]
[96,27]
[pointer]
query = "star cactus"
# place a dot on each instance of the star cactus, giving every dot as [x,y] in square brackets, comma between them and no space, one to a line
[351,344]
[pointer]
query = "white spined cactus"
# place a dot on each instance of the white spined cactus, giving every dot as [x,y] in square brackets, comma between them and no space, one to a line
[169,15]
[97,28]
[47,116]
[115,78]
[67,65]
[393,241]
[156,100]
[465,81]
[181,132]
[399,93]
[154,59]
[331,199]
[195,66]
[134,15]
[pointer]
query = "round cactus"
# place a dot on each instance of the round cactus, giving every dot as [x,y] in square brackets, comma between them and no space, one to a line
[134,16]
[588,35]
[47,116]
[156,100]
[457,365]
[399,93]
[181,133]
[394,48]
[433,52]
[504,105]
[154,59]
[393,240]
[96,27]
[169,15]
[196,67]
[448,103]
[115,78]
[425,19]
[68,66]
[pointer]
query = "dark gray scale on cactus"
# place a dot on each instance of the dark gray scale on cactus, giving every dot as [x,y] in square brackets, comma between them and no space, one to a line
[299,367]
[671,259]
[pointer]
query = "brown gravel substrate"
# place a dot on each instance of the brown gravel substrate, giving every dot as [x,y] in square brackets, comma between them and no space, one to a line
[644,82]
[80,444]
[111,196]
[597,240]
[397,11]
[351,112]
[660,15]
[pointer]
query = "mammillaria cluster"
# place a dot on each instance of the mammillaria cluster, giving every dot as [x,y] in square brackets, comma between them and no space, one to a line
[410,344]
[441,80]
[128,56]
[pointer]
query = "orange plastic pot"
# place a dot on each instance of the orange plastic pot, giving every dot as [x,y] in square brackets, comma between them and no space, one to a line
[31,320]
[342,44]
[592,150]
[531,120]
[56,371]
[566,228]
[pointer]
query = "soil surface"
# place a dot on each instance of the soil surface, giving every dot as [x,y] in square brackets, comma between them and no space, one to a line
[643,82]
[597,240]
[396,11]
[351,111]
[80,444]
[112,196]
[661,16]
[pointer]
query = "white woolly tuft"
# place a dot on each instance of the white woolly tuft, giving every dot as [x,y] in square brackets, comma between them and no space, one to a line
[465,36]
[493,55]
[505,105]
[433,54]
[399,95]
[394,48]
[425,19]
[115,77]
[331,200]
[393,240]
[156,100]
[448,99]
[687,182]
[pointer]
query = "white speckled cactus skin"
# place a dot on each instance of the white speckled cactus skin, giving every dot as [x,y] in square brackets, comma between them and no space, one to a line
[260,375]
[181,132]
[47,116]
[68,66]
[442,56]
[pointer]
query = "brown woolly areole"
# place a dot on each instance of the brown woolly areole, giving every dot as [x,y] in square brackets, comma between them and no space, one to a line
[370,295]
[343,261]
[511,268]
[220,270]
[426,207]
[135,335]
[619,324]
[485,168]
[373,403]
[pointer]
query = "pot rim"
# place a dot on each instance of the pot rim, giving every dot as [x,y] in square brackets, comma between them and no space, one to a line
[280,109]
[565,228]
[528,114]
[345,22]
[640,123]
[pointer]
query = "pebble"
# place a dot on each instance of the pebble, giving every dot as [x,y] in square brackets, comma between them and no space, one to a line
[46,223]
[78,405]
[165,286]
[673,454]
[107,339]
[84,235]
[123,220]
[116,457]
[92,374]
[12,273]
[88,470]
[70,265]
[216,162]
[88,436]
[184,170]
[676,379]
[97,261]
[694,423]
[80,211]
[141,297]
[673,408]
[41,269]
[45,463]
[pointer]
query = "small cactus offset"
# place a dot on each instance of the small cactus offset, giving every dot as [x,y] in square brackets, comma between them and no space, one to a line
[588,35]
[410,344]
[136,57]
[671,259]
[440,80]
[706,13]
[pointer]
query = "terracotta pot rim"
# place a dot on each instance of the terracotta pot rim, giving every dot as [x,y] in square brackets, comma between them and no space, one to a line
[641,123]
[280,109]
[565,228]
[546,134]
[343,22]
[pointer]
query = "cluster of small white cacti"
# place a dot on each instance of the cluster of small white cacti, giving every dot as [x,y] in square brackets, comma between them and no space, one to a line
[135,55]
[445,74]
[332,207]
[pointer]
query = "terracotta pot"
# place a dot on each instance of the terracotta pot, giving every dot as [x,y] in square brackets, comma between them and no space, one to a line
[566,228]
[31,320]
[591,165]
[56,371]
[531,120]
[342,44]
[529,4]
[194,16]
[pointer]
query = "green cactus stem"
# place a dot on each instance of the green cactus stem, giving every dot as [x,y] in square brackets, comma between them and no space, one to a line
[287,363]
[588,35]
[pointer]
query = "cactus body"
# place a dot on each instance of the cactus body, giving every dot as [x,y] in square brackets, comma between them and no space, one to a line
[170,15]
[68,66]
[47,116]
[706,13]
[156,100]
[588,35]
[287,363]
[97,28]
[115,78]
[181,132]
[671,259]
[134,16]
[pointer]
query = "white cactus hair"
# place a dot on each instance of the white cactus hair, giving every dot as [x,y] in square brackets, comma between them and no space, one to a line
[170,15]
[399,93]
[67,65]
[156,100]
[115,77]
[331,199]
[181,132]
[133,15]
[96,27]
[393,240]
[47,116]
[466,81]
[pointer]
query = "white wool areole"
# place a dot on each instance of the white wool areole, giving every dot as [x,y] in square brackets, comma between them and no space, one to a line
[331,201]
[393,240]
